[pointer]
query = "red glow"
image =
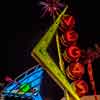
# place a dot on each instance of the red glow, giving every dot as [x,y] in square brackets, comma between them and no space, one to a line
[71,36]
[90,73]
[74,52]
[77,70]
[8,79]
[81,87]
[69,21]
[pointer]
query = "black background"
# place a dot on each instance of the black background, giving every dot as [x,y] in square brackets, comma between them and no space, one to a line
[29,27]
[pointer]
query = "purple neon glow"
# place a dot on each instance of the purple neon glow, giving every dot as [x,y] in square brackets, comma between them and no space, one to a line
[51,7]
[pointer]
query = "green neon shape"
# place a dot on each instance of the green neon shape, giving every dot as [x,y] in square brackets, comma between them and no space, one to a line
[24,88]
[41,55]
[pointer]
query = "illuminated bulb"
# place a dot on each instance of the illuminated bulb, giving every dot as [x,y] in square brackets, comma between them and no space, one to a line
[71,36]
[69,21]
[73,52]
[75,71]
[81,87]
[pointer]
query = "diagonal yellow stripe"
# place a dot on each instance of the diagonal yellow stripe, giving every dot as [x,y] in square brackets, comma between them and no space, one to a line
[41,55]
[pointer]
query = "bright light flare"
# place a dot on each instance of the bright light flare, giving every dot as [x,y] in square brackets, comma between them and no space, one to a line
[51,7]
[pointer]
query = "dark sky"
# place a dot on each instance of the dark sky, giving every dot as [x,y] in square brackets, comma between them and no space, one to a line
[29,27]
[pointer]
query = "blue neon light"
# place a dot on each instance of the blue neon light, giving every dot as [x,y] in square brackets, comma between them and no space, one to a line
[32,77]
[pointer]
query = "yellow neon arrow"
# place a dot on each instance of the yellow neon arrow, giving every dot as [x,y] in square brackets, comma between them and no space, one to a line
[41,55]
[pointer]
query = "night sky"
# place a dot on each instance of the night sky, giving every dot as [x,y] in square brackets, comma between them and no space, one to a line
[29,27]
